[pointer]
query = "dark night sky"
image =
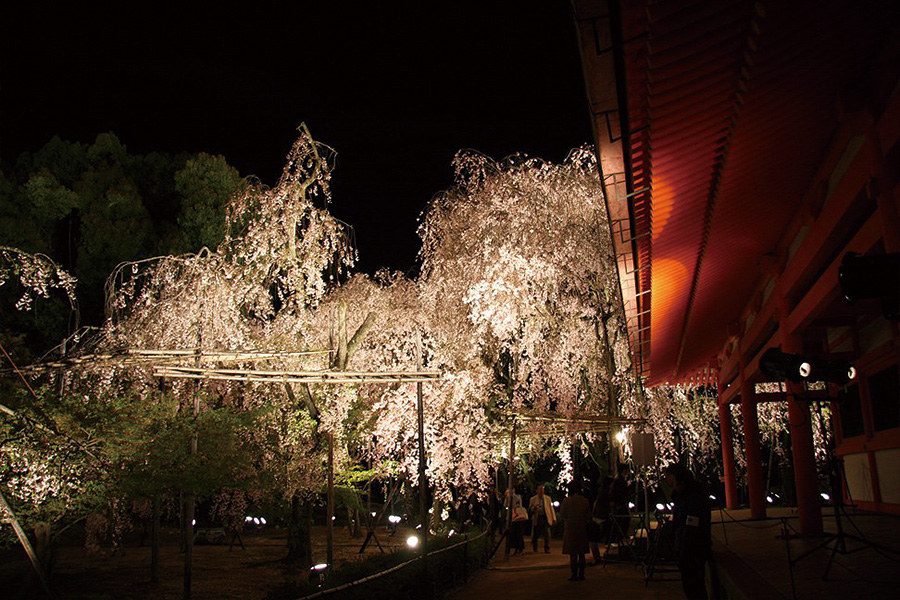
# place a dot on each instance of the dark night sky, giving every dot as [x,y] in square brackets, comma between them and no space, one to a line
[395,88]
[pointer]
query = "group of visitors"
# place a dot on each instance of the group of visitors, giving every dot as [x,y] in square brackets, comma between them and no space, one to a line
[542,515]
[587,524]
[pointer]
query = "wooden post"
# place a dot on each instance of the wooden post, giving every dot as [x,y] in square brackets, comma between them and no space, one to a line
[510,491]
[809,506]
[154,540]
[727,432]
[190,503]
[423,490]
[329,512]
[755,483]
[26,544]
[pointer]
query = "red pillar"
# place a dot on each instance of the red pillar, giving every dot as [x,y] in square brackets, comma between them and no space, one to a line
[809,507]
[755,480]
[731,491]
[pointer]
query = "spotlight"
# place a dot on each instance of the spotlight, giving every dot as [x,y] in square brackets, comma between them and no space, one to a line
[770,500]
[797,368]
[825,496]
[660,507]
[833,371]
[412,541]
[317,574]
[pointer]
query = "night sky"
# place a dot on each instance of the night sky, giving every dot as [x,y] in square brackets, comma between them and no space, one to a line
[396,88]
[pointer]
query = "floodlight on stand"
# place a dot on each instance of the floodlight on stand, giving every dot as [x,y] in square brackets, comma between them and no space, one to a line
[317,574]
[831,371]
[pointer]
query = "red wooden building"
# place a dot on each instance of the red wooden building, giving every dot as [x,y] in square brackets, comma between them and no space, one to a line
[746,148]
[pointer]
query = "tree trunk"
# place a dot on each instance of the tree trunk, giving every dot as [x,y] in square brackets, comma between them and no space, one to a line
[299,539]
[154,540]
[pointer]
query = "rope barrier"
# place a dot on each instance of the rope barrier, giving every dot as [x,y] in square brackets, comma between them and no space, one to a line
[357,582]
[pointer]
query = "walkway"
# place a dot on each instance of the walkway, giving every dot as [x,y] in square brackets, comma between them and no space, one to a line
[752,563]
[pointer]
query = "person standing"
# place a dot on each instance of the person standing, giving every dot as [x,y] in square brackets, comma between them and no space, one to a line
[618,503]
[598,533]
[517,522]
[543,517]
[575,513]
[692,518]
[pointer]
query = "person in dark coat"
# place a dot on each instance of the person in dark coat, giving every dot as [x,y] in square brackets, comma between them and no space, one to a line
[575,513]
[618,504]
[692,519]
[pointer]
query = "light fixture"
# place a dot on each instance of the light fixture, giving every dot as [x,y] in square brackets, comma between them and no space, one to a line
[412,541]
[797,368]
[833,371]
[317,574]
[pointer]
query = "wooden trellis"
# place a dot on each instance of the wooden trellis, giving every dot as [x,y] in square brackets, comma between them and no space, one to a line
[323,376]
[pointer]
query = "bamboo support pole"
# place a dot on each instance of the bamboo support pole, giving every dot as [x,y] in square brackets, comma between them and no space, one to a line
[26,543]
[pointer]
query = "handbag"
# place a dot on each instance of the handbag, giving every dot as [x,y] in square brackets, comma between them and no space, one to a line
[520,514]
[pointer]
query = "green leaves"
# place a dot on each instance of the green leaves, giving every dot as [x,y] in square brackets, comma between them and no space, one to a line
[205,185]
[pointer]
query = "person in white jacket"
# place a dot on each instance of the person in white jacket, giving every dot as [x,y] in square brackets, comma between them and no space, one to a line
[543,517]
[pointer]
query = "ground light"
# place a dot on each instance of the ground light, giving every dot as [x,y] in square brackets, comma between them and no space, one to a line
[412,541]
[317,574]
[393,521]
